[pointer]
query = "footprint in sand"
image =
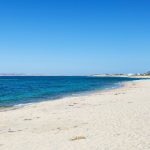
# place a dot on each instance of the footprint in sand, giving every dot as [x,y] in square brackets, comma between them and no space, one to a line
[70,105]
[27,119]
[11,131]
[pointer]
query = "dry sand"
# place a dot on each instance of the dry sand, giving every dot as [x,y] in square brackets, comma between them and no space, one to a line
[118,119]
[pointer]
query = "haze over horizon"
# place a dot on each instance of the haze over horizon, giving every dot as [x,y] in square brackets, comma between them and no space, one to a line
[74,37]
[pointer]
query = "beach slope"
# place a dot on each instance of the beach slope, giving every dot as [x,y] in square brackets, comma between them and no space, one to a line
[117,119]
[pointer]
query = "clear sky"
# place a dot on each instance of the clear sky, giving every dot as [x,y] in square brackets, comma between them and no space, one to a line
[74,37]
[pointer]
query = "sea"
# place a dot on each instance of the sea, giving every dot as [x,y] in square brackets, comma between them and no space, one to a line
[18,90]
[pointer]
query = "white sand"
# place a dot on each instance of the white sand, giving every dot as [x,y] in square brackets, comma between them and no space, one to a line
[113,120]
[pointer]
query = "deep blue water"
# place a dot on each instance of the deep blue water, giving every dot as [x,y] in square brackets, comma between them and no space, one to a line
[20,90]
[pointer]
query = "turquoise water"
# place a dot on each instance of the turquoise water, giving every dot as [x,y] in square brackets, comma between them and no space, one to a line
[21,90]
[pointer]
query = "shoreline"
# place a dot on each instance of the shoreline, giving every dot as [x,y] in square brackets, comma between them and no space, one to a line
[86,93]
[59,97]
[116,119]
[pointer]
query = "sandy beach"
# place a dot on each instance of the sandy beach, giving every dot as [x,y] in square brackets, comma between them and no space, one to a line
[117,119]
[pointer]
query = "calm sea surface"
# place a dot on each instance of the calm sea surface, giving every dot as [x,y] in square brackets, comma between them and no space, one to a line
[20,90]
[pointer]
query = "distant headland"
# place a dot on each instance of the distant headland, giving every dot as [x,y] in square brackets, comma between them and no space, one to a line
[140,75]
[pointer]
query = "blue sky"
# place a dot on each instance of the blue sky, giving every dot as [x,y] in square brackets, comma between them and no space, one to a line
[74,37]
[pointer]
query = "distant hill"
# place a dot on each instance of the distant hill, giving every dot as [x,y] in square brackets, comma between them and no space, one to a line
[147,73]
[124,75]
[20,74]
